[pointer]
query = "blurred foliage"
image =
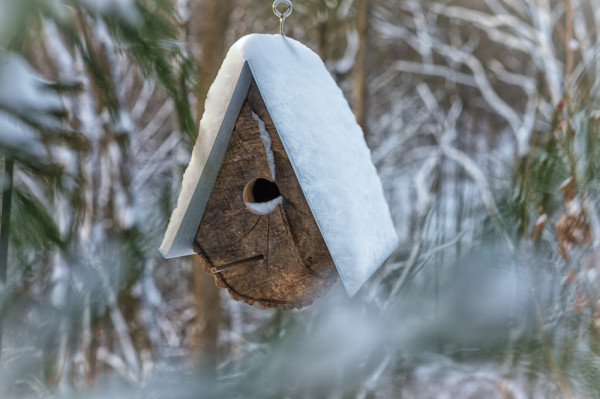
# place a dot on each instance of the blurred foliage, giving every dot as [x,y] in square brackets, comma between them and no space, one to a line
[489,158]
[77,245]
[150,36]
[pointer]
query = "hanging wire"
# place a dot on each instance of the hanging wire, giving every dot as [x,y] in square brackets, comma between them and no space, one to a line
[282,14]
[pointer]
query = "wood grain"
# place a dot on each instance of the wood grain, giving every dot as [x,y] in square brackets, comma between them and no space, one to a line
[279,259]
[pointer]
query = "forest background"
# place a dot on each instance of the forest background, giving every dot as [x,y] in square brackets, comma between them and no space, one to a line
[483,118]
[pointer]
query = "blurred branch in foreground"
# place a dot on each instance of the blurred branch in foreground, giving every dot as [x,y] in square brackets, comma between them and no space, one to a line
[483,122]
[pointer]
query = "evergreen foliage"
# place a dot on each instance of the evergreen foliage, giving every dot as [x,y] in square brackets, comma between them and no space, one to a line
[484,121]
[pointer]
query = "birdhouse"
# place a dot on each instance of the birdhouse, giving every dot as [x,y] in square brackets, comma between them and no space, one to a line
[280,196]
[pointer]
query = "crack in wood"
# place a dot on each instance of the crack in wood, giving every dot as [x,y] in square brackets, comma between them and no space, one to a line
[241,262]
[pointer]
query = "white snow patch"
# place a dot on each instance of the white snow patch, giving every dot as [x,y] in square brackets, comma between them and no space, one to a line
[574,207]
[17,135]
[264,208]
[346,63]
[124,122]
[60,282]
[323,141]
[541,220]
[565,183]
[22,89]
[573,45]
[266,139]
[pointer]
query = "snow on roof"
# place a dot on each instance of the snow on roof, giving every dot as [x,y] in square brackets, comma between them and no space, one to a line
[324,143]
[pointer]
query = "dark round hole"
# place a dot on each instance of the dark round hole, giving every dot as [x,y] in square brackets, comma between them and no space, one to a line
[262,196]
[260,190]
[264,190]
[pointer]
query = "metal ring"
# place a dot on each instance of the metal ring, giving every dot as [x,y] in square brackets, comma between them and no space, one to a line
[280,14]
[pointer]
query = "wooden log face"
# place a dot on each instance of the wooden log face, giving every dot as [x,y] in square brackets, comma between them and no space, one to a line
[278,259]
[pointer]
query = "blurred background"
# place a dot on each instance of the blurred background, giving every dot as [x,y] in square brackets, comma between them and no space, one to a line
[483,117]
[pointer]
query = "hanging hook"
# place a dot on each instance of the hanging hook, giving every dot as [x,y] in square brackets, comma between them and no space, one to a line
[282,14]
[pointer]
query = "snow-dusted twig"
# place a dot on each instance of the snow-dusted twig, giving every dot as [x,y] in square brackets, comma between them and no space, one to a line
[443,71]
[479,178]
[423,183]
[374,378]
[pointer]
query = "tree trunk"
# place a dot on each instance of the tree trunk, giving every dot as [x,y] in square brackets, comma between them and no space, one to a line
[206,32]
[209,20]
[359,91]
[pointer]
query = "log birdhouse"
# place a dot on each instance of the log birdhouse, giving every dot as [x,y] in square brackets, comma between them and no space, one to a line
[280,196]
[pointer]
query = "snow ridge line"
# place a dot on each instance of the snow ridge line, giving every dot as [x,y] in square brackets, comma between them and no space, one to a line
[266,139]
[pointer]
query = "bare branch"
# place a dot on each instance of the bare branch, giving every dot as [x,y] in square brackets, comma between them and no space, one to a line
[435,70]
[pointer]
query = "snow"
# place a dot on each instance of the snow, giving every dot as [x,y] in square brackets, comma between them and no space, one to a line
[15,134]
[23,94]
[566,183]
[22,89]
[346,63]
[264,208]
[541,220]
[574,207]
[573,45]
[266,139]
[325,146]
